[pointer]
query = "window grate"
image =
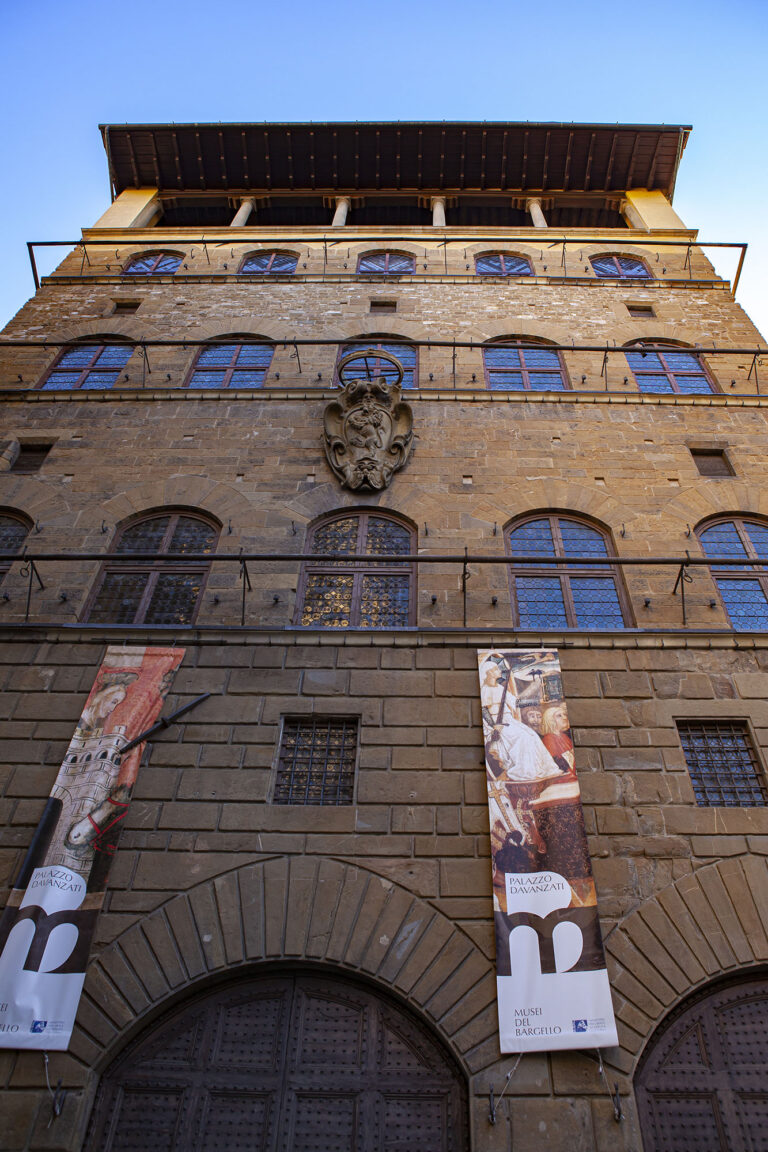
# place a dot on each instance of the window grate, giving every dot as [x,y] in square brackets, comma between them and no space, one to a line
[723,764]
[316,762]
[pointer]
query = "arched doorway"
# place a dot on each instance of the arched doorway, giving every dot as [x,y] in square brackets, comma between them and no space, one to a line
[288,1062]
[702,1085]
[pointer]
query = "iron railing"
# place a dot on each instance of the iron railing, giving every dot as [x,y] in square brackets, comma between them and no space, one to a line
[29,568]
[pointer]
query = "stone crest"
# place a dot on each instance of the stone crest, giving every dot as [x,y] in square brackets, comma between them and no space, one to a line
[369,429]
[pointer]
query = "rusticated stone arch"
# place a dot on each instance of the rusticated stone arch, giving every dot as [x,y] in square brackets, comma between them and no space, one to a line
[223,501]
[561,496]
[696,504]
[296,909]
[709,923]
[230,329]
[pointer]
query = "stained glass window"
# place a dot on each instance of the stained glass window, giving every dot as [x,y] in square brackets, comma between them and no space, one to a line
[387,263]
[316,762]
[619,267]
[745,595]
[579,594]
[13,533]
[270,263]
[358,593]
[88,366]
[724,768]
[502,264]
[231,366]
[153,264]
[511,367]
[376,366]
[155,591]
[660,368]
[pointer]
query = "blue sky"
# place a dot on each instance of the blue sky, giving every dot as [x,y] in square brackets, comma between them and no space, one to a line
[67,65]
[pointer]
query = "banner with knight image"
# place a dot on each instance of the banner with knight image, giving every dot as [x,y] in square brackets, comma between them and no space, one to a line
[552,983]
[47,926]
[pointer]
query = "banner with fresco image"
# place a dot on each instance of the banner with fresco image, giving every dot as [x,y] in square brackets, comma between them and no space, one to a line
[552,983]
[47,926]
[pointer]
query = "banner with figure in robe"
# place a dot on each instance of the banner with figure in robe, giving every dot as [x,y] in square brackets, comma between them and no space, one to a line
[47,926]
[552,983]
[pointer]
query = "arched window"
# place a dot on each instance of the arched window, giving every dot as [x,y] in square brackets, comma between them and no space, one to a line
[154,590]
[372,366]
[744,591]
[387,263]
[153,264]
[661,367]
[502,264]
[358,593]
[619,267]
[511,367]
[270,263]
[94,365]
[13,533]
[575,595]
[231,365]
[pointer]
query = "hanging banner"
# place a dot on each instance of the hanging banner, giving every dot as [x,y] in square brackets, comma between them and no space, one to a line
[47,926]
[552,983]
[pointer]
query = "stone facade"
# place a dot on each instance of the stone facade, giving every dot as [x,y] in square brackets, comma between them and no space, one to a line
[211,879]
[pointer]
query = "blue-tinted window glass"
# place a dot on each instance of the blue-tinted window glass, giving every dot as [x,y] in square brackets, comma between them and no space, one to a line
[153,264]
[666,370]
[89,366]
[581,540]
[532,539]
[375,366]
[388,263]
[498,264]
[272,263]
[596,603]
[745,603]
[758,535]
[540,602]
[538,369]
[722,540]
[618,267]
[232,366]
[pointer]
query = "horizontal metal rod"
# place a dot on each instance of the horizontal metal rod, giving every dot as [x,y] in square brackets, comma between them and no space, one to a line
[535,240]
[532,562]
[698,349]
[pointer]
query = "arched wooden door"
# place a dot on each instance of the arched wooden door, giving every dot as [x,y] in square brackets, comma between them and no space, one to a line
[702,1085]
[289,1063]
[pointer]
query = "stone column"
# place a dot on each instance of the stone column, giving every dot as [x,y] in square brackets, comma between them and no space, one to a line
[240,218]
[343,205]
[438,211]
[538,217]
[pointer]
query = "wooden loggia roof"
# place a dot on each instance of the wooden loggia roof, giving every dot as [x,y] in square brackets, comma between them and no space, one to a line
[455,156]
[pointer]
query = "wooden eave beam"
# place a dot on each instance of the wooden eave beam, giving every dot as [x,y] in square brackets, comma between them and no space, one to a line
[545,167]
[503,173]
[567,171]
[177,159]
[631,169]
[590,154]
[200,165]
[289,137]
[222,159]
[654,160]
[244,151]
[524,177]
[609,166]
[134,166]
[267,161]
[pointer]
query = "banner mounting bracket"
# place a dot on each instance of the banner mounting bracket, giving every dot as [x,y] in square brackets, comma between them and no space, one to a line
[493,1104]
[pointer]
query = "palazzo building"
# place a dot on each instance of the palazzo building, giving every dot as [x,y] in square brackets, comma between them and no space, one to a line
[296,947]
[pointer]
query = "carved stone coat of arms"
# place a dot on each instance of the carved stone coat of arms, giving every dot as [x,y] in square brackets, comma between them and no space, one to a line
[369,429]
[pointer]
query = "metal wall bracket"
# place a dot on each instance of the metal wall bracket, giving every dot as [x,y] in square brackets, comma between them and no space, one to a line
[493,1104]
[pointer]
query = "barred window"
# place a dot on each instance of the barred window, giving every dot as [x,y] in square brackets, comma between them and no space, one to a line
[88,366]
[577,595]
[387,263]
[511,367]
[502,264]
[744,591]
[725,771]
[667,368]
[373,366]
[13,533]
[155,590]
[619,267]
[231,366]
[270,263]
[153,264]
[358,593]
[316,761]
